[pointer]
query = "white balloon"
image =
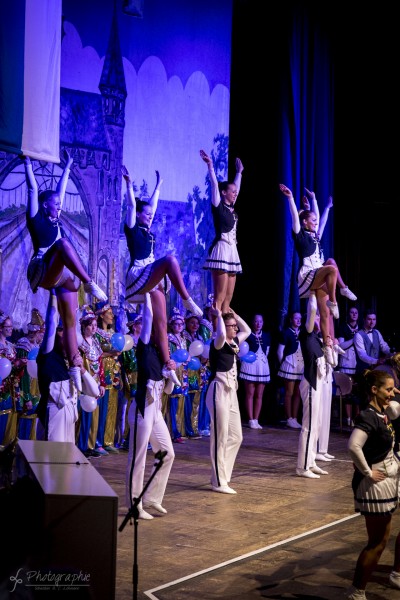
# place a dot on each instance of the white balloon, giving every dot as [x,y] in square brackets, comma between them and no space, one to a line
[196,348]
[31,367]
[128,342]
[5,367]
[243,349]
[88,403]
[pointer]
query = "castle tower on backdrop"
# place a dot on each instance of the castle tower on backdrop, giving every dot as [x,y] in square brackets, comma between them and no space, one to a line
[92,128]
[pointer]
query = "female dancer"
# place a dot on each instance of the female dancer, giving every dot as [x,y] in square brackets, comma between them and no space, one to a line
[291,368]
[223,258]
[146,274]
[313,275]
[312,204]
[376,475]
[256,375]
[55,263]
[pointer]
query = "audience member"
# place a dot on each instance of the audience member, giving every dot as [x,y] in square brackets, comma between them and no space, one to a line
[192,398]
[108,403]
[371,350]
[28,388]
[90,349]
[348,360]
[176,400]
[8,413]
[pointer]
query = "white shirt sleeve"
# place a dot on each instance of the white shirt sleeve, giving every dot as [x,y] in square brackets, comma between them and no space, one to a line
[355,446]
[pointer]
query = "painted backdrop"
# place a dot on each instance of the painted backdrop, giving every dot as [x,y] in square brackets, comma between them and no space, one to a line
[147,89]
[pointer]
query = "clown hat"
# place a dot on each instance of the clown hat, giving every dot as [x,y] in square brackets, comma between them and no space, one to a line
[87,313]
[176,316]
[102,307]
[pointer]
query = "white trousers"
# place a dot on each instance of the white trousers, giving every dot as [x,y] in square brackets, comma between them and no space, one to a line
[150,428]
[61,422]
[325,412]
[310,424]
[226,433]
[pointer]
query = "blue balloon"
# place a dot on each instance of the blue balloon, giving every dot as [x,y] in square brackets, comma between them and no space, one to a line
[194,363]
[33,354]
[250,357]
[180,355]
[118,341]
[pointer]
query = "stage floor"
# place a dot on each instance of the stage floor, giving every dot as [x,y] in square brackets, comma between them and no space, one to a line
[281,536]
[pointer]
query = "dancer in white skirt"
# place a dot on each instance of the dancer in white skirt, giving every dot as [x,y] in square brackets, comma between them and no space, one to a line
[376,475]
[311,204]
[55,263]
[223,258]
[291,368]
[313,275]
[147,275]
[256,374]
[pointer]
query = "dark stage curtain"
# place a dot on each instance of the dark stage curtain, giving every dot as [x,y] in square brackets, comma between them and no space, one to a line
[285,66]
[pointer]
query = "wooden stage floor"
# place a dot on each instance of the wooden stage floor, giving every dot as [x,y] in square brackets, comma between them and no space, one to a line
[281,536]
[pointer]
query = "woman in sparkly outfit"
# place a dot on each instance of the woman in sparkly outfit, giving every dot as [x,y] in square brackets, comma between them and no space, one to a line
[91,351]
[8,387]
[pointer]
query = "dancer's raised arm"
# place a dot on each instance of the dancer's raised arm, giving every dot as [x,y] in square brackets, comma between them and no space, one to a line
[292,207]
[62,182]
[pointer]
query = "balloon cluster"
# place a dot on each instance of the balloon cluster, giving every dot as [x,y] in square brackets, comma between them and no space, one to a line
[245,354]
[196,349]
[121,342]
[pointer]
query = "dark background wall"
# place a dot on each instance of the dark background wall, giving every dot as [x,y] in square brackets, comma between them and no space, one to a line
[366,204]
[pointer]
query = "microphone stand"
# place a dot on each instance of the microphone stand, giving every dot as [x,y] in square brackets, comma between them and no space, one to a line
[133,512]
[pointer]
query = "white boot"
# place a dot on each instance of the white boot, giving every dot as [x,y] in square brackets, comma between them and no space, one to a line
[191,306]
[348,294]
[171,374]
[92,288]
